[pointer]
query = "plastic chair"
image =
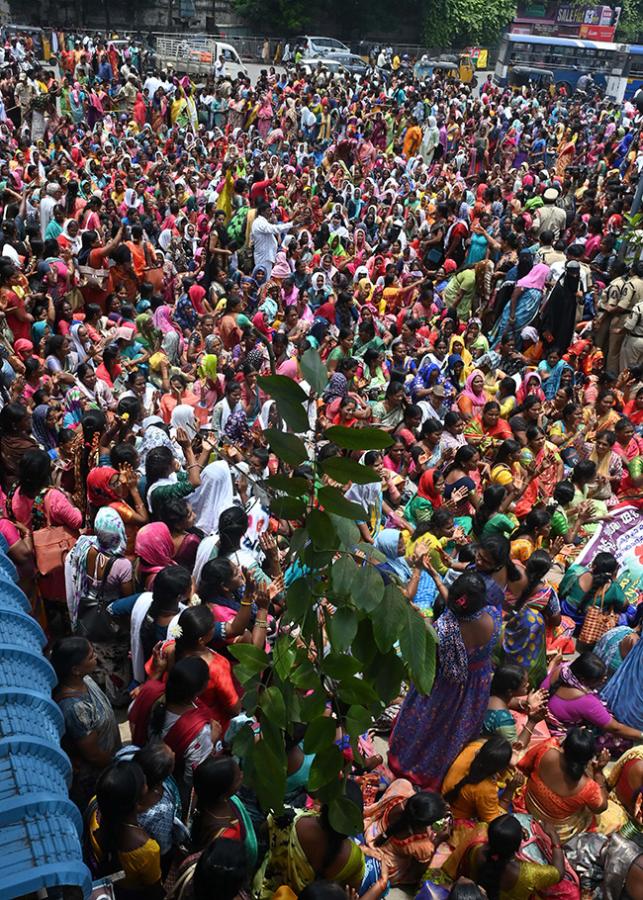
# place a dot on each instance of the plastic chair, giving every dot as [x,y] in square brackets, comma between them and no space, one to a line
[12,597]
[25,713]
[20,668]
[42,852]
[21,630]
[32,767]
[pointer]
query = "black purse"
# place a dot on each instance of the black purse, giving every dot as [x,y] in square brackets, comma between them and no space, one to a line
[96,624]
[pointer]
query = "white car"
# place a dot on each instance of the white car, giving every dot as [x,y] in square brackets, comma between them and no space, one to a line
[321,47]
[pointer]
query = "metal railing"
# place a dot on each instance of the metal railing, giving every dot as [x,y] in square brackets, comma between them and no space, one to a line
[250,47]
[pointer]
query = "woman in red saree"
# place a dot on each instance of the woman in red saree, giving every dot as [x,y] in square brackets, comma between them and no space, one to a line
[175,713]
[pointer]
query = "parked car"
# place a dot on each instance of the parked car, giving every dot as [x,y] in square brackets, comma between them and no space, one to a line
[321,47]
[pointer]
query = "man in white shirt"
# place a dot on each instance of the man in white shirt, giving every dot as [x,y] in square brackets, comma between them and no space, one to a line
[264,235]
[53,193]
[151,86]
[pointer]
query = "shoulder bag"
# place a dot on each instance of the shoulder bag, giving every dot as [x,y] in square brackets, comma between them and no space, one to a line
[52,543]
[597,622]
[96,624]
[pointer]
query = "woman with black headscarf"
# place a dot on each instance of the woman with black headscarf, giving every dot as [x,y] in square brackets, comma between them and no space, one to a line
[559,317]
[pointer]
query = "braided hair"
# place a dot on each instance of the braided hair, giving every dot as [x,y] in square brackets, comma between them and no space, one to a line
[536,567]
[504,839]
[604,568]
[187,679]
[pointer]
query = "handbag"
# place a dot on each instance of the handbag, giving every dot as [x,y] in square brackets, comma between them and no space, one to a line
[94,278]
[597,622]
[96,624]
[152,274]
[51,544]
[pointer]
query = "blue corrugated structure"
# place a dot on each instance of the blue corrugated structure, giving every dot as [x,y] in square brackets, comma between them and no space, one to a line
[40,828]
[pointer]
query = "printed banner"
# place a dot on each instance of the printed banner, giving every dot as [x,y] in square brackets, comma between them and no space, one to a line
[621,534]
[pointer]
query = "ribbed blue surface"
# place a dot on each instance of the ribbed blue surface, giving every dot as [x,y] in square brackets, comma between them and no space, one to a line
[40,828]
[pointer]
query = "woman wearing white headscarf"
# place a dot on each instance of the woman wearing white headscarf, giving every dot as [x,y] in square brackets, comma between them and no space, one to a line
[183,417]
[214,494]
[81,345]
[430,140]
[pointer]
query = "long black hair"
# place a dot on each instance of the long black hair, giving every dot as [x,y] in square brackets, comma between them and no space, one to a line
[224,862]
[187,679]
[118,791]
[506,679]
[498,547]
[233,524]
[604,568]
[492,499]
[195,622]
[537,518]
[536,567]
[579,747]
[214,780]
[420,811]
[494,756]
[504,838]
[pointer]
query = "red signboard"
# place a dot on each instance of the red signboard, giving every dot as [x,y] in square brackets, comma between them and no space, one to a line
[597,32]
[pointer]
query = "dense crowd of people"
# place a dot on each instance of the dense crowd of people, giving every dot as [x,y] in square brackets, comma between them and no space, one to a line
[462,262]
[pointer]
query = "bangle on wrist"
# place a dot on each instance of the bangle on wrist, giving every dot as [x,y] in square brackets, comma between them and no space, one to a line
[261,624]
[246,603]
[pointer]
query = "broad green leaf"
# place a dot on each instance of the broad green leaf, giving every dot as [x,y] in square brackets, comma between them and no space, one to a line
[345,817]
[368,438]
[273,707]
[325,768]
[243,742]
[249,656]
[312,705]
[298,540]
[288,508]
[320,735]
[344,470]
[282,388]
[356,691]
[358,720]
[245,674]
[334,501]
[363,646]
[388,676]
[283,656]
[387,618]
[289,484]
[287,447]
[269,767]
[293,703]
[368,588]
[299,599]
[316,559]
[314,370]
[371,552]
[347,532]
[331,791]
[342,628]
[305,676]
[295,415]
[321,530]
[343,575]
[417,645]
[340,665]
